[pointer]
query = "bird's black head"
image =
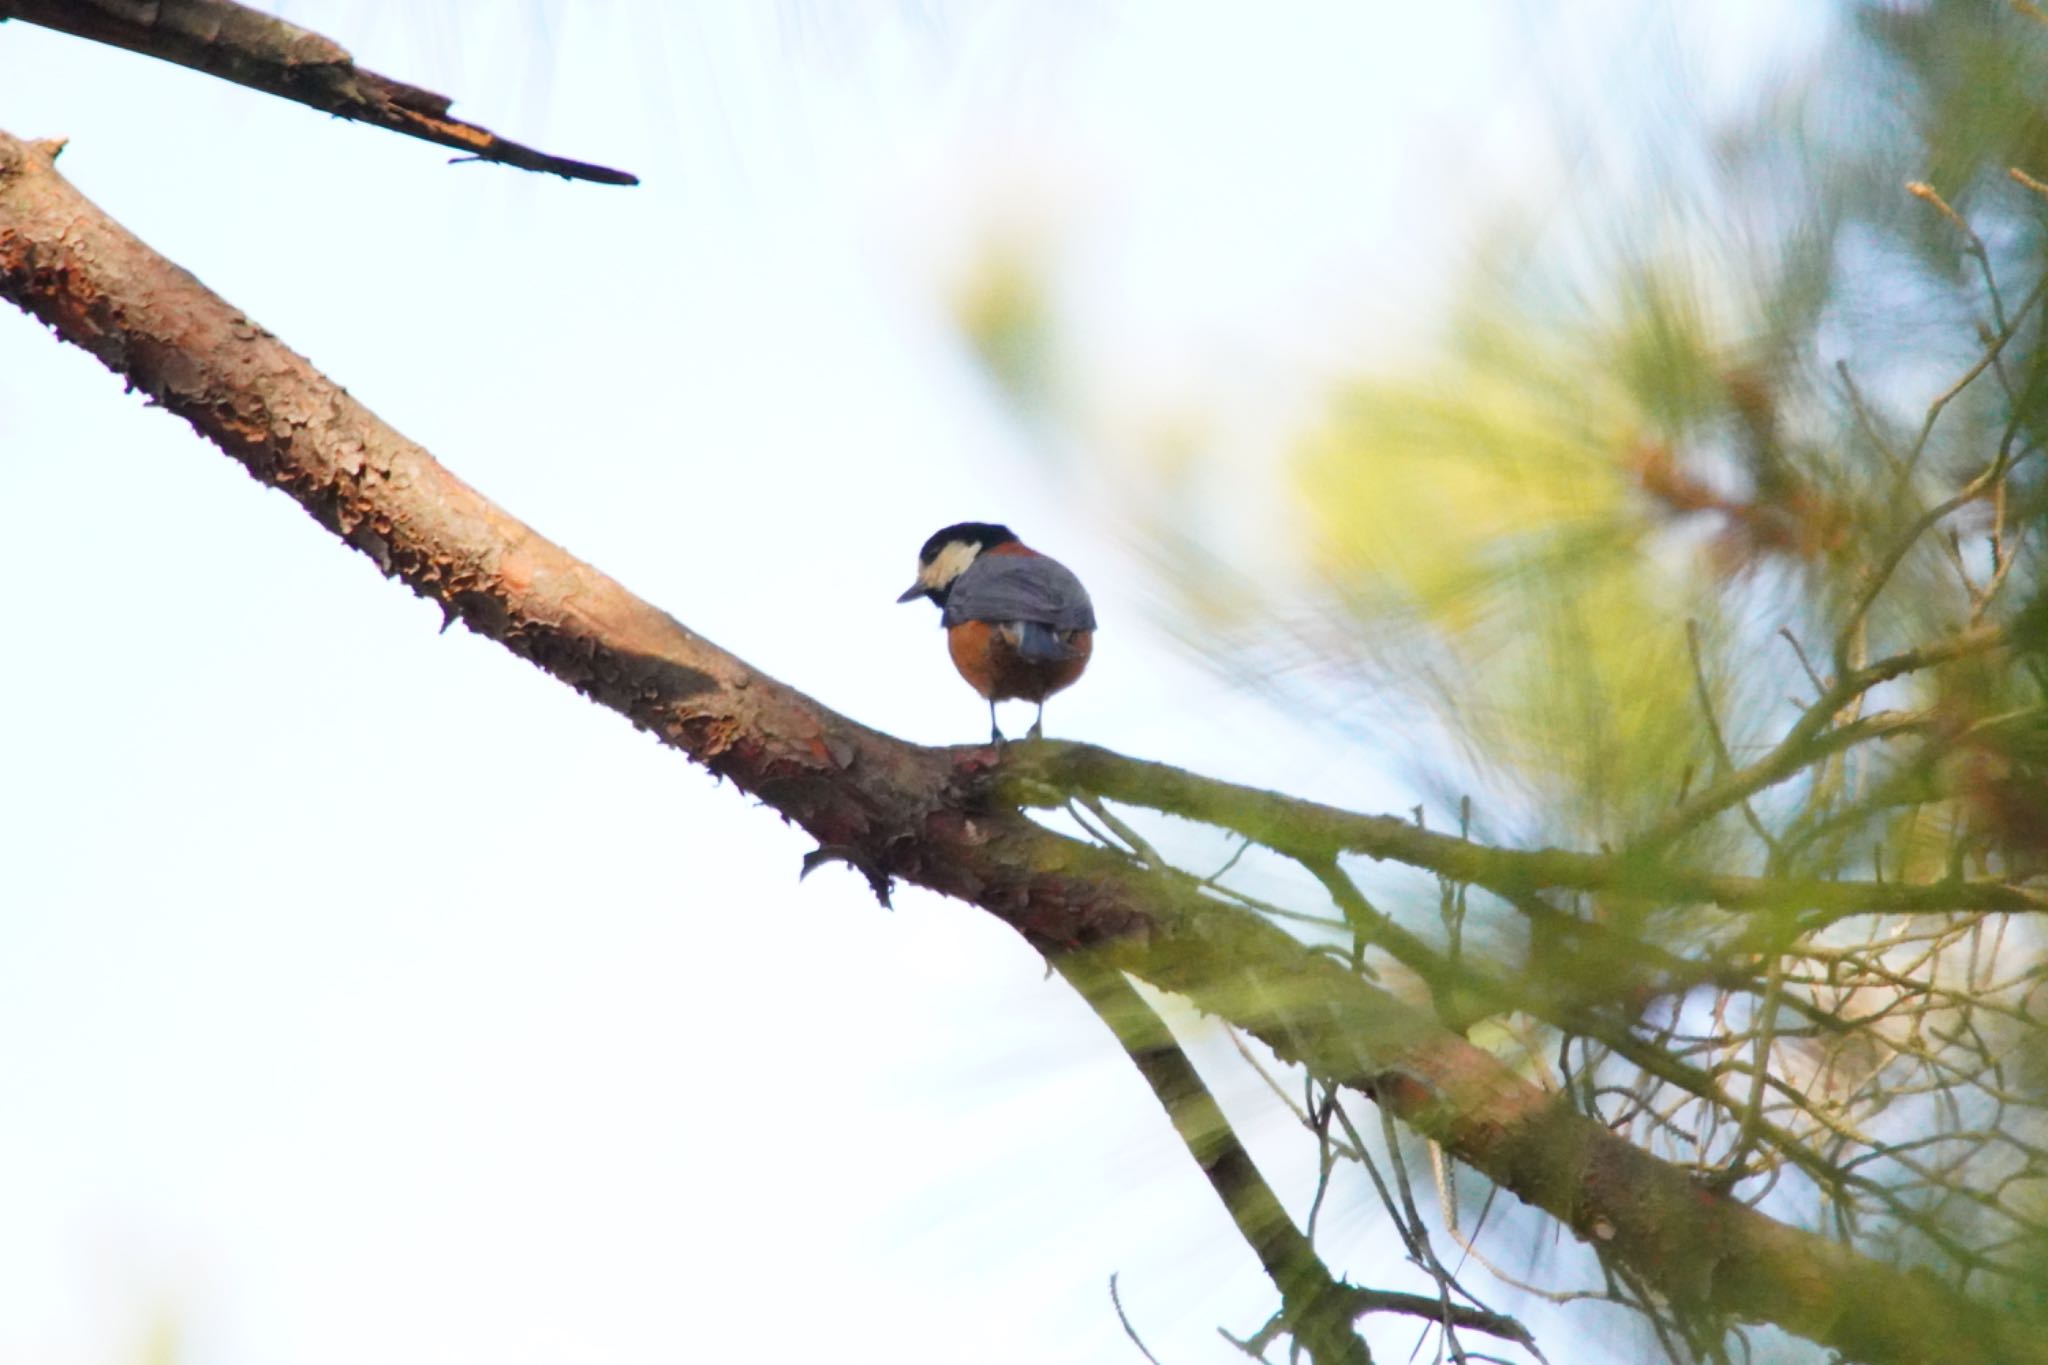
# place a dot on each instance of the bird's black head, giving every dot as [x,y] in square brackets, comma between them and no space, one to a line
[980,534]
[947,554]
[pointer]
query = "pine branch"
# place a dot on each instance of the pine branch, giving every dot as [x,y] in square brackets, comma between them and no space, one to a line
[1315,1308]
[1313,834]
[265,53]
[939,817]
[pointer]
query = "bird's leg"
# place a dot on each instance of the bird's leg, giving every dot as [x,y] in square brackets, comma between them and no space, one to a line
[995,735]
[1037,730]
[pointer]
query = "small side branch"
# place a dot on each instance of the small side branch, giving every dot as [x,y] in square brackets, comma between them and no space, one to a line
[1315,1307]
[1315,834]
[1364,1301]
[265,53]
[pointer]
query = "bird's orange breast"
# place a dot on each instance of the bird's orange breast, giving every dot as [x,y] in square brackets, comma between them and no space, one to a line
[989,660]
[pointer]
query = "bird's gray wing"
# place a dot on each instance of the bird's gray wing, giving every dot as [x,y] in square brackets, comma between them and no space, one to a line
[1020,588]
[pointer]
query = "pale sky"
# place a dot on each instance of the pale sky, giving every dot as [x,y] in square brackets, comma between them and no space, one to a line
[366,995]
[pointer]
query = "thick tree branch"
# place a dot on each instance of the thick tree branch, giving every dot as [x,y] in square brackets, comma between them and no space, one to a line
[265,53]
[937,817]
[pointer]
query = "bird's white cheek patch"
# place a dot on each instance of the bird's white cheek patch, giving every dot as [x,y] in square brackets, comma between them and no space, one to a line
[948,564]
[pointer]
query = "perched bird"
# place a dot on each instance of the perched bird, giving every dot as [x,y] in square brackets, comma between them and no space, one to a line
[1018,624]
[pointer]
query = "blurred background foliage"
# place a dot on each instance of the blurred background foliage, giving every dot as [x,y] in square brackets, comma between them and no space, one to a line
[1740,409]
[1687,396]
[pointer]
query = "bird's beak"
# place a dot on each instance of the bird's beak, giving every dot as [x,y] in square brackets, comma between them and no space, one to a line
[913,592]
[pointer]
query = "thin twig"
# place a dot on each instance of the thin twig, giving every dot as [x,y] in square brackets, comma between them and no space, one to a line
[1125,1319]
[1723,763]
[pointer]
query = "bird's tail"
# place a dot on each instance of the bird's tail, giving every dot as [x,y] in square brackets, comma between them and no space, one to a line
[1041,643]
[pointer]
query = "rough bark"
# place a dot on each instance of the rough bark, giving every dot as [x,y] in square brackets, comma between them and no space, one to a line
[941,818]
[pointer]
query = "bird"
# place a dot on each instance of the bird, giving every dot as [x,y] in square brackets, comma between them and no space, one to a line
[1018,623]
